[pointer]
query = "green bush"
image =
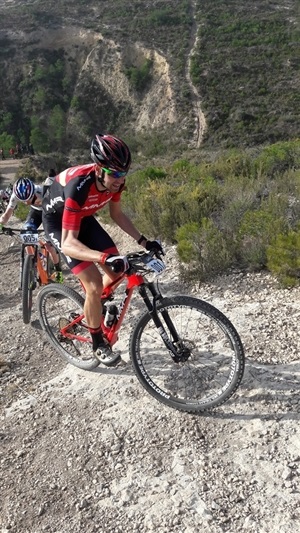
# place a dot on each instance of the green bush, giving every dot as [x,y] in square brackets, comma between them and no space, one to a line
[163,206]
[6,142]
[256,232]
[22,211]
[277,158]
[283,258]
[220,213]
[139,77]
[27,170]
[203,249]
[39,139]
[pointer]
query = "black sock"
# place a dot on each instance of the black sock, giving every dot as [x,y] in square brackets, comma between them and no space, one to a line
[97,337]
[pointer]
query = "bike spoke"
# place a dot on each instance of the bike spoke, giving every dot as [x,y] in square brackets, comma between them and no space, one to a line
[59,310]
[209,358]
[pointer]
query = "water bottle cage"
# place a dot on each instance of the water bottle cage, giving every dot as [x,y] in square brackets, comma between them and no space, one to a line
[110,315]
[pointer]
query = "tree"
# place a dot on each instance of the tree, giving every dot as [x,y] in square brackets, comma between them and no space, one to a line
[57,122]
[39,140]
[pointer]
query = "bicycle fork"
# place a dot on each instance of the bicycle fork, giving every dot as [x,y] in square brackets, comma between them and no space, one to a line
[30,250]
[172,340]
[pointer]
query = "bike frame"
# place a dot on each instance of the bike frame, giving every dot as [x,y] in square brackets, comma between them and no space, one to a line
[133,281]
[111,333]
[35,250]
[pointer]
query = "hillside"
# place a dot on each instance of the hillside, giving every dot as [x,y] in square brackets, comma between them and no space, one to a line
[169,76]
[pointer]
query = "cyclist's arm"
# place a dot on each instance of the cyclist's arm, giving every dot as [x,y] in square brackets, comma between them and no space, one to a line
[6,215]
[70,245]
[122,220]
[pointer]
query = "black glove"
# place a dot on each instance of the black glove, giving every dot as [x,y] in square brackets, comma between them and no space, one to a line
[154,246]
[118,263]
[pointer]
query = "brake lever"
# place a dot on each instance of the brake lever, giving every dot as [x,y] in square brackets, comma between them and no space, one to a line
[7,231]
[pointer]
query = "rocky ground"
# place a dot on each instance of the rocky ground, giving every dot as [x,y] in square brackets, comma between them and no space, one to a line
[93,452]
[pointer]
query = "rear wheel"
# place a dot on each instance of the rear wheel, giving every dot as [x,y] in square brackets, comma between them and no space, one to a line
[209,362]
[28,285]
[60,310]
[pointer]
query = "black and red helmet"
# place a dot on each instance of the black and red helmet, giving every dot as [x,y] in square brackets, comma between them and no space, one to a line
[110,152]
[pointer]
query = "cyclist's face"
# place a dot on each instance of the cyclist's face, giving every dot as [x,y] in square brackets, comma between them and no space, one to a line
[112,183]
[33,201]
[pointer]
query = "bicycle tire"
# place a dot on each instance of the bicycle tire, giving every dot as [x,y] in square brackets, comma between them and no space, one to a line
[28,282]
[58,305]
[213,370]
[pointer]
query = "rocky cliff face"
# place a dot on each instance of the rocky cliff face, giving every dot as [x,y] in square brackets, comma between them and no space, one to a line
[97,67]
[221,61]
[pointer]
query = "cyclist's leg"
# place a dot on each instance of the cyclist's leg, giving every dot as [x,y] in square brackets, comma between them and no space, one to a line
[34,221]
[53,253]
[96,238]
[91,280]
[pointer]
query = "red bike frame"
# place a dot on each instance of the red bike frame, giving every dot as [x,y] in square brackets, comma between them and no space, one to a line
[111,333]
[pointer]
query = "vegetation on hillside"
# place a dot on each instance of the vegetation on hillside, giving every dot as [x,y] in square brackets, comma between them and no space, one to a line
[245,67]
[240,210]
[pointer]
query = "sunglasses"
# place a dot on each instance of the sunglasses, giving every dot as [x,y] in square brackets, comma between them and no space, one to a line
[114,173]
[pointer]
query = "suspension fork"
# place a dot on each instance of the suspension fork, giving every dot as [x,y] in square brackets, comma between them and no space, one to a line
[152,309]
[28,249]
[21,265]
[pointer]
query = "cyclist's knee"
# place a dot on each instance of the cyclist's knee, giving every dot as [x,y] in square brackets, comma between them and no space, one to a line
[93,288]
[92,282]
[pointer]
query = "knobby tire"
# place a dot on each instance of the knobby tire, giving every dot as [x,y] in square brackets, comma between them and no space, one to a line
[211,372]
[28,281]
[57,306]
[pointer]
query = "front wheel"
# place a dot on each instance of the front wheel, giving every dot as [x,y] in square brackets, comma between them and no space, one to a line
[209,364]
[28,285]
[60,310]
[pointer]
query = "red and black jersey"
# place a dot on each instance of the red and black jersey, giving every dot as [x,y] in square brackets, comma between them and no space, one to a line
[73,195]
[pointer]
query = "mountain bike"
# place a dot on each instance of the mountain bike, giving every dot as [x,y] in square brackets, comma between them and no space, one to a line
[185,352]
[36,266]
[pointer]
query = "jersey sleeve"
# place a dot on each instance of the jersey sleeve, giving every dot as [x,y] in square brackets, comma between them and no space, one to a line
[72,215]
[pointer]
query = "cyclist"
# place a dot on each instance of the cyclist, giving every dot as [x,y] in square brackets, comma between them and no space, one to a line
[25,191]
[69,204]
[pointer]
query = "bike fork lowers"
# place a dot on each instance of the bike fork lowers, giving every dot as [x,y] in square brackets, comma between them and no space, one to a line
[151,306]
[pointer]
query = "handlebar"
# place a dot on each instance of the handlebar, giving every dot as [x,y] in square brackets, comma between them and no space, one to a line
[146,261]
[15,231]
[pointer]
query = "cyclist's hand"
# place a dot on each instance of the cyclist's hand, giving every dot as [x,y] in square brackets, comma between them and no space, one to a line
[118,263]
[154,246]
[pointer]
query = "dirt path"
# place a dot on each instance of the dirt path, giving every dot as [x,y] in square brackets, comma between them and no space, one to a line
[93,452]
[8,169]
[200,121]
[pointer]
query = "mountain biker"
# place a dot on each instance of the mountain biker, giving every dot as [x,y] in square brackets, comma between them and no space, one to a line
[75,196]
[27,192]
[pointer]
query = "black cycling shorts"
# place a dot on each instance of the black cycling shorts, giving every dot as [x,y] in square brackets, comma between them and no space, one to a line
[34,219]
[91,234]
